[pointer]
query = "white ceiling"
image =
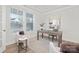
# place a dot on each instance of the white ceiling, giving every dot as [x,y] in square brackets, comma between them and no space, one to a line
[45,8]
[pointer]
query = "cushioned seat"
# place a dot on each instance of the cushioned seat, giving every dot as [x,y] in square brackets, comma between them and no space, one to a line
[69,48]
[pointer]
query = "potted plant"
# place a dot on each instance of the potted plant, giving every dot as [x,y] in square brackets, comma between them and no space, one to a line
[42,25]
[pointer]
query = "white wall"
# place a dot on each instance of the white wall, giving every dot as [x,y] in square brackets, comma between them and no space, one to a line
[11,37]
[69,22]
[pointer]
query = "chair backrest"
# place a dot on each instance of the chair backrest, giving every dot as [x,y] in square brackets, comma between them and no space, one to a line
[21,33]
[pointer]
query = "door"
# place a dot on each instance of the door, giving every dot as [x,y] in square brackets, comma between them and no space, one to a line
[0,29]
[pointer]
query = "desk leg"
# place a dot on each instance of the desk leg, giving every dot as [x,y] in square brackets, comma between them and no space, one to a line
[49,36]
[42,35]
[52,38]
[59,40]
[37,35]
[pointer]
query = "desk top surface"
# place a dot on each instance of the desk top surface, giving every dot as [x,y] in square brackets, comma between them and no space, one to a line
[49,31]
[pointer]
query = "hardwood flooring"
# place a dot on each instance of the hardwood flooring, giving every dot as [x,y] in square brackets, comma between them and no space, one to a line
[34,46]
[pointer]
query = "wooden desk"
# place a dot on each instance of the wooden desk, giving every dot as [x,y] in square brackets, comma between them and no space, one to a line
[50,32]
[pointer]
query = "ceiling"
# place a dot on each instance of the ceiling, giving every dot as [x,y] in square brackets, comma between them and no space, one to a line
[45,8]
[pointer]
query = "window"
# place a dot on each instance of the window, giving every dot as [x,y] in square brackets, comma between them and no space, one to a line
[29,22]
[16,20]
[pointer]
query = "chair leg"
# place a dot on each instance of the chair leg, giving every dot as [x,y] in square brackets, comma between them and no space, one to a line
[42,35]
[20,46]
[26,45]
[18,49]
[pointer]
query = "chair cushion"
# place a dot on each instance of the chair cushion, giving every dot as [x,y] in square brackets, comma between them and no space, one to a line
[69,48]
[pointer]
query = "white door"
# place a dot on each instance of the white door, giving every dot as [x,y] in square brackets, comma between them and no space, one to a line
[2,28]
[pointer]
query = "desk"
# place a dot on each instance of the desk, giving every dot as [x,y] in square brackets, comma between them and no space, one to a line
[50,32]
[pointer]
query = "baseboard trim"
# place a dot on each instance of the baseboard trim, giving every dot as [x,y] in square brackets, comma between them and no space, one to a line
[65,41]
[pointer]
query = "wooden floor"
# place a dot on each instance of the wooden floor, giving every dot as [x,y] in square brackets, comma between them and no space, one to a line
[13,49]
[35,46]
